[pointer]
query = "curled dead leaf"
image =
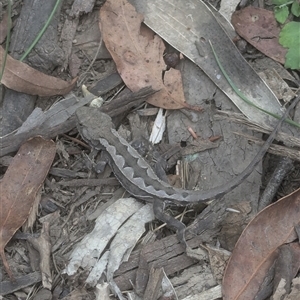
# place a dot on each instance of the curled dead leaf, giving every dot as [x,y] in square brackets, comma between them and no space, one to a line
[20,77]
[19,186]
[257,247]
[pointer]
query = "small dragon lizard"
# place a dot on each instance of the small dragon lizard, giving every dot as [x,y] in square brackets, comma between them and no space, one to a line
[136,175]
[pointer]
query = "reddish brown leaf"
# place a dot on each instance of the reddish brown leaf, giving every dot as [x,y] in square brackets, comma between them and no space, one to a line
[22,78]
[139,59]
[19,186]
[259,28]
[257,247]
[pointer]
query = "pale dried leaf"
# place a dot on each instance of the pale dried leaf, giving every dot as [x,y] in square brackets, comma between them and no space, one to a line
[102,291]
[98,269]
[88,251]
[158,128]
[122,245]
[125,241]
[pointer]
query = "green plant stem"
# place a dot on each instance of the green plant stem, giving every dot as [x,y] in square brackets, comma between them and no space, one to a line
[242,96]
[285,4]
[8,37]
[42,31]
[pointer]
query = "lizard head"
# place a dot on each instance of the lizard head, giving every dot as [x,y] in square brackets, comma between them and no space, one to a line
[92,124]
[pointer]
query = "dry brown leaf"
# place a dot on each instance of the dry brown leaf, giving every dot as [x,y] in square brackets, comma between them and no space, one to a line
[257,247]
[22,78]
[19,186]
[259,28]
[139,59]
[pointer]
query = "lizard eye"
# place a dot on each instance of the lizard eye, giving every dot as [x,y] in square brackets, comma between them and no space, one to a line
[185,194]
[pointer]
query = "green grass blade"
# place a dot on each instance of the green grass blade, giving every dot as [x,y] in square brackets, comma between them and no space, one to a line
[42,31]
[242,96]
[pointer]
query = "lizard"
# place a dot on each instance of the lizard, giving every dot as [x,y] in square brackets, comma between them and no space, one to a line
[136,176]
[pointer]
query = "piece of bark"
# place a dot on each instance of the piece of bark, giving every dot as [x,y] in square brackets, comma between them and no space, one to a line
[167,253]
[13,118]
[126,101]
[106,84]
[45,56]
[142,275]
[58,119]
[8,287]
[154,283]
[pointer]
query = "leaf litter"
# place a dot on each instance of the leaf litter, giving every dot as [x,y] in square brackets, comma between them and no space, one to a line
[172,106]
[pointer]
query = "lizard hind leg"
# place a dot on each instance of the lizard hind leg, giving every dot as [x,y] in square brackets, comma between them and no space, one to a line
[158,209]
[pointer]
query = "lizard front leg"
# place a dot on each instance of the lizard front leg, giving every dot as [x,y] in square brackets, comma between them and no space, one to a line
[102,162]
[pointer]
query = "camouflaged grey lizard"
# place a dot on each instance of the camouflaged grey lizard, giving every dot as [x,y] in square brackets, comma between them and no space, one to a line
[136,175]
